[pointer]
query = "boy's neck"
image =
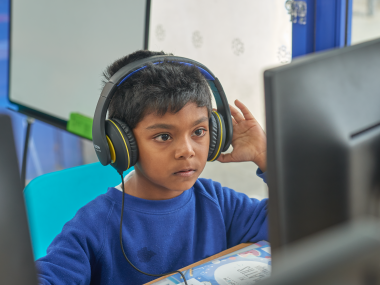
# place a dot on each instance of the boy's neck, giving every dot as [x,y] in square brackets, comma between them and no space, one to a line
[139,186]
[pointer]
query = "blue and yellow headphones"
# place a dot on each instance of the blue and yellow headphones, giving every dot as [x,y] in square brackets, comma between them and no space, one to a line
[113,140]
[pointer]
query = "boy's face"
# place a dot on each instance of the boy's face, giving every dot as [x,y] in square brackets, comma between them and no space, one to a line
[173,152]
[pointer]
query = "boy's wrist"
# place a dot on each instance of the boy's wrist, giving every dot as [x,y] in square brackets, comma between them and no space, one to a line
[261,161]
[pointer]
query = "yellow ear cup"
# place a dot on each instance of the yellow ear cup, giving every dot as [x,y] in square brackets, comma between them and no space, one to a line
[125,144]
[112,150]
[221,136]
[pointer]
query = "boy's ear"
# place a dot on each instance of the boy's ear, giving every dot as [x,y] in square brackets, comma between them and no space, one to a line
[217,136]
[122,144]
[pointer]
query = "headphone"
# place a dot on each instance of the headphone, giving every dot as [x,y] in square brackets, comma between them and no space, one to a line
[113,140]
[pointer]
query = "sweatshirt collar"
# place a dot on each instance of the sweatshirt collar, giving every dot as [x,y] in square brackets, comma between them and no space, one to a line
[150,206]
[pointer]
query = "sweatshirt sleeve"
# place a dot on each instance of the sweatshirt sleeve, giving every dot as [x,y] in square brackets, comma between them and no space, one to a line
[262,175]
[245,218]
[74,251]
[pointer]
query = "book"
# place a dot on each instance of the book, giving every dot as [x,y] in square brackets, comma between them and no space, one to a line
[244,266]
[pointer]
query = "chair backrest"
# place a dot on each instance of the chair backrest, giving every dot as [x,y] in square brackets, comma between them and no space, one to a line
[53,199]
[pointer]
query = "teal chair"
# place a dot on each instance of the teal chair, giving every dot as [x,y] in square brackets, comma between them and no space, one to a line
[53,199]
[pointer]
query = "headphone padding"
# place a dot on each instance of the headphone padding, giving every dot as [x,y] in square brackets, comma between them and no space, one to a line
[120,144]
[220,136]
[213,129]
[131,139]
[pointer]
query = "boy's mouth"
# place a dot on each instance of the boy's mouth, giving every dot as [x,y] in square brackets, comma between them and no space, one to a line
[185,172]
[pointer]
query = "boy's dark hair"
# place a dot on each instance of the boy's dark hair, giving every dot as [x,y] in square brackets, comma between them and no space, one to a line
[167,86]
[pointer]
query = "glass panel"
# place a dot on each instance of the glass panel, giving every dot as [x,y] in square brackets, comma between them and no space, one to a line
[365,20]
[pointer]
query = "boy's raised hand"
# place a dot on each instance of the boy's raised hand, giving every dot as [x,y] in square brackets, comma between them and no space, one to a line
[248,140]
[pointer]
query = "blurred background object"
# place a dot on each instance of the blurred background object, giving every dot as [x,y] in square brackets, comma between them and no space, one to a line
[16,253]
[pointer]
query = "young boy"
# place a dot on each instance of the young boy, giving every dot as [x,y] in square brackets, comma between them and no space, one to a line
[171,218]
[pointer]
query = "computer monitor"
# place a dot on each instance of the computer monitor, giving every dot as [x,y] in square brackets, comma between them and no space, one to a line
[323,129]
[16,256]
[348,254]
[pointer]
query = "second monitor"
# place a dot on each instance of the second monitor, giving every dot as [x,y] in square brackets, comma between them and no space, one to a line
[323,127]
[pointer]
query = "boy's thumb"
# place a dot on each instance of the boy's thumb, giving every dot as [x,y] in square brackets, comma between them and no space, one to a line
[224,158]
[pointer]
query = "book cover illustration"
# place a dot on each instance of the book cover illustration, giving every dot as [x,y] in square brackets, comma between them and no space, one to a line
[242,267]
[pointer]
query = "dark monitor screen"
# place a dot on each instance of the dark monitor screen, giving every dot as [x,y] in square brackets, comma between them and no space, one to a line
[348,254]
[16,256]
[323,128]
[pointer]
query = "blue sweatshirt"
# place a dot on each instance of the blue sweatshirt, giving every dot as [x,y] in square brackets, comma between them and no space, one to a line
[158,236]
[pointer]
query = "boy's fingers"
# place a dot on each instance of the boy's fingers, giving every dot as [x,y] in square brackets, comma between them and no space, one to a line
[236,114]
[247,114]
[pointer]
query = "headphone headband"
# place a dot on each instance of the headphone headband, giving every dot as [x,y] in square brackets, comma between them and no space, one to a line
[98,127]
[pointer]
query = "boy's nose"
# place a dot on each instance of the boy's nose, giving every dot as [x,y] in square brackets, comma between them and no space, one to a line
[184,149]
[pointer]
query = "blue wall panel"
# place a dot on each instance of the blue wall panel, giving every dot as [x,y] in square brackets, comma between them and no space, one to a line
[327,27]
[4,26]
[330,24]
[303,35]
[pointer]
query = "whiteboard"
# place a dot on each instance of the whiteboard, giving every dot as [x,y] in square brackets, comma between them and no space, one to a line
[59,50]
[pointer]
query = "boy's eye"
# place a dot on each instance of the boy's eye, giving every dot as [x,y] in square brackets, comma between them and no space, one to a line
[162,137]
[200,132]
